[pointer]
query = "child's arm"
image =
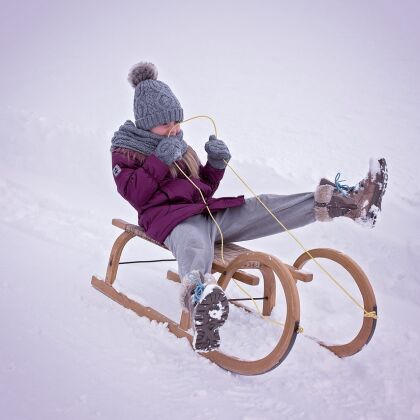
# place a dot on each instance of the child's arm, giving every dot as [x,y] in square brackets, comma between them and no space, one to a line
[217,156]
[211,176]
[138,184]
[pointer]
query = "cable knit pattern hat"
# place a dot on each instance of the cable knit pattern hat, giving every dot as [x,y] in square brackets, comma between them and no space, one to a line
[154,102]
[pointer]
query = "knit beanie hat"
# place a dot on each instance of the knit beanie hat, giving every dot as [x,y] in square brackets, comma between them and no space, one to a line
[154,102]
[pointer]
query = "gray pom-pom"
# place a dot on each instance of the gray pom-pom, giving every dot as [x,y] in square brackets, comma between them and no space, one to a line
[142,71]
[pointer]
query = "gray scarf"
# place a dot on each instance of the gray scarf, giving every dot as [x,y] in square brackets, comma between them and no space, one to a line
[143,141]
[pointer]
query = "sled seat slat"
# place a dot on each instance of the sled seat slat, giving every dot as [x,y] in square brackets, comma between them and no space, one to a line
[230,251]
[218,265]
[238,275]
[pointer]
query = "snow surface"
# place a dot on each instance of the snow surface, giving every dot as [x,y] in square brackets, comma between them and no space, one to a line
[299,90]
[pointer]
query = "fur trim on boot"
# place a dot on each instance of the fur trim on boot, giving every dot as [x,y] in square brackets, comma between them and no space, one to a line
[323,195]
[189,282]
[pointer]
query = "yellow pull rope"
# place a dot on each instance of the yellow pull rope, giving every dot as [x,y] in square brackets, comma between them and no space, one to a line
[193,118]
[300,330]
[188,178]
[221,236]
[367,314]
[207,207]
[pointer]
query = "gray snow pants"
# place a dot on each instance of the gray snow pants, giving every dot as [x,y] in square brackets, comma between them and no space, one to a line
[192,241]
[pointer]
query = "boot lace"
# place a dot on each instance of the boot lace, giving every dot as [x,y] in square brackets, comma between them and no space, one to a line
[343,189]
[198,292]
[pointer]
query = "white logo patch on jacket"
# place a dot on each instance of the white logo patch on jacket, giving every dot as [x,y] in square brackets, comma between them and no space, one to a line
[116,170]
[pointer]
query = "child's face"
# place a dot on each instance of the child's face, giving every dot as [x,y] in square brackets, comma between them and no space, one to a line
[164,129]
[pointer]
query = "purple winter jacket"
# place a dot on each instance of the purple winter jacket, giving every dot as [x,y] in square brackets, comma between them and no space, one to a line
[162,201]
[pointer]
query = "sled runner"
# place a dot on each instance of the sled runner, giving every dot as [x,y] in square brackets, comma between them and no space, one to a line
[236,260]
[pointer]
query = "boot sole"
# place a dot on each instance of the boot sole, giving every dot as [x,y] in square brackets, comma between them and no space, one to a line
[382,182]
[209,315]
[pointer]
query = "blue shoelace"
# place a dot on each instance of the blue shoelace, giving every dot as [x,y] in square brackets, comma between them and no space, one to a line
[341,188]
[198,292]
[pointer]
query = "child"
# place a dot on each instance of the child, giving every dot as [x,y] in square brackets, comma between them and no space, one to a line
[171,210]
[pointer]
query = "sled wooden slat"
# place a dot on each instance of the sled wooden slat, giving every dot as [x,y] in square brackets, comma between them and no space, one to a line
[230,252]
[239,275]
[218,265]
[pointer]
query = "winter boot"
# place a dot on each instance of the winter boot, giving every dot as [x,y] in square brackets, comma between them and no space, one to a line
[361,203]
[208,308]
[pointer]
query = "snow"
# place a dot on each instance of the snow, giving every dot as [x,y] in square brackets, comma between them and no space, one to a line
[298,91]
[374,166]
[207,290]
[217,313]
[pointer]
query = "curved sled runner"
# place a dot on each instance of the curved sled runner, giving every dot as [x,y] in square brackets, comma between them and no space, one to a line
[237,258]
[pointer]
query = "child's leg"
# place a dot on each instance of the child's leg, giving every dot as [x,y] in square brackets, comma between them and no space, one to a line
[191,242]
[251,220]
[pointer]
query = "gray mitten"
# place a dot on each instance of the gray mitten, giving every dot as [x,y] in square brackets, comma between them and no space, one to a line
[217,152]
[169,150]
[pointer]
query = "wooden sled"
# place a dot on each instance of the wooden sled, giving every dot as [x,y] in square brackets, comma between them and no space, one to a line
[236,259]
